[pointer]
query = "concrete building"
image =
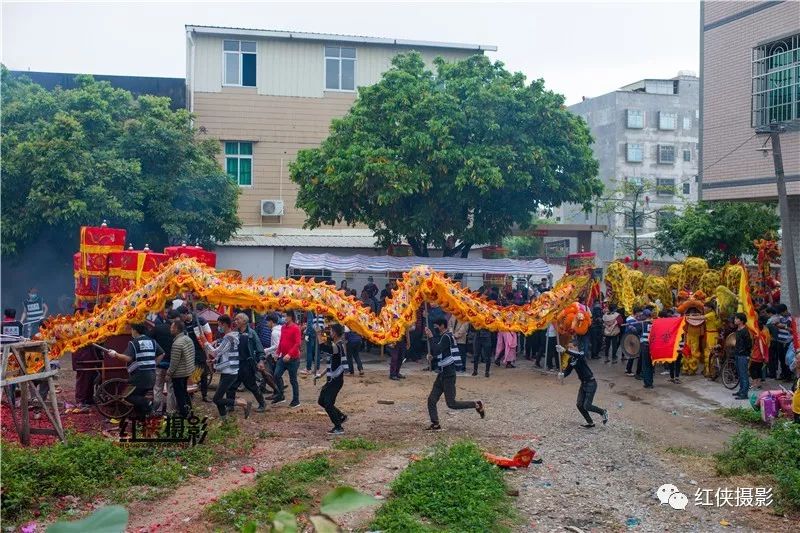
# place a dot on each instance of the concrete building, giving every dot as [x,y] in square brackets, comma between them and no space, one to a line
[750,71]
[644,132]
[267,94]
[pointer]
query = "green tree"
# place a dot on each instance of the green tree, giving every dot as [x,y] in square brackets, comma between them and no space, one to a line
[717,231]
[450,159]
[76,157]
[634,200]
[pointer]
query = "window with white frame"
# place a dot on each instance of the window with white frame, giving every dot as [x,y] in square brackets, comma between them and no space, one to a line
[665,186]
[667,121]
[687,123]
[239,162]
[635,118]
[629,219]
[687,155]
[239,63]
[340,68]
[663,216]
[634,153]
[776,82]
[666,154]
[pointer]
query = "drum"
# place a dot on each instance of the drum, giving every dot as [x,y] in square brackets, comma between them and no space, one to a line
[631,345]
[730,344]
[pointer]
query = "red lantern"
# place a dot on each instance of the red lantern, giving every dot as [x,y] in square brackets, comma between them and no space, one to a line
[636,264]
[723,246]
[627,259]
[646,261]
[639,253]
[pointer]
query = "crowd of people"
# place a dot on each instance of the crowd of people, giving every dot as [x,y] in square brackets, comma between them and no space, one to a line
[254,354]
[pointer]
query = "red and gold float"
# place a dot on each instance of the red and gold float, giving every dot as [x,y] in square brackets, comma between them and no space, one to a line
[203,256]
[130,268]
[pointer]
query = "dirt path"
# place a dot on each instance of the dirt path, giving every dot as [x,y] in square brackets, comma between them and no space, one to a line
[602,479]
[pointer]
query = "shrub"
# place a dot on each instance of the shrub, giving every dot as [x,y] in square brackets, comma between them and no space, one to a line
[454,489]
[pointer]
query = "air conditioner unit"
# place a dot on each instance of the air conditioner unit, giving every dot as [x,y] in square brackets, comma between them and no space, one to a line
[271,208]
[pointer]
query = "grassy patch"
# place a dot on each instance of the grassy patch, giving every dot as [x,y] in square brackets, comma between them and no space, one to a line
[86,466]
[357,443]
[775,454]
[744,415]
[684,451]
[455,489]
[284,489]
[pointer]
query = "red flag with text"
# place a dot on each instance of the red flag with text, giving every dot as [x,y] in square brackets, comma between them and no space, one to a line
[665,338]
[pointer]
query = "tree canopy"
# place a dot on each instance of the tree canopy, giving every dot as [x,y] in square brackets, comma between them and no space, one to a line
[718,231]
[447,159]
[75,157]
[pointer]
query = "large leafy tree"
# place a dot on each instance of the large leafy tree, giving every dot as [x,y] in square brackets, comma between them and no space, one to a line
[450,159]
[717,231]
[75,157]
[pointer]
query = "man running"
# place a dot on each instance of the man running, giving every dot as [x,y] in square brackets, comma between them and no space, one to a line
[577,360]
[448,358]
[226,362]
[336,348]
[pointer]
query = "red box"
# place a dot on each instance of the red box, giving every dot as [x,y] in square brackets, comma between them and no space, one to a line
[203,256]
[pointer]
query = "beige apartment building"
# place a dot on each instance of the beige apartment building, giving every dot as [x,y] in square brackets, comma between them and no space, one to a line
[750,80]
[267,94]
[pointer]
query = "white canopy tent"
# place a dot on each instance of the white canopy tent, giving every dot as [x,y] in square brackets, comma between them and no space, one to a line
[301,263]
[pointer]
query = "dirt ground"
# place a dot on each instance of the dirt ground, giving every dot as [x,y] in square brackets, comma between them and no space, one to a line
[600,479]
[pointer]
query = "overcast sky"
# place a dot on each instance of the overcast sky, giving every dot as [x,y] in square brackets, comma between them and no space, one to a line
[579,48]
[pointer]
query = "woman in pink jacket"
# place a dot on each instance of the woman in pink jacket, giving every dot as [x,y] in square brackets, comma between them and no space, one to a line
[506,342]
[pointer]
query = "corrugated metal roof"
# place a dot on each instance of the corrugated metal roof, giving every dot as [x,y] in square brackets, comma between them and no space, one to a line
[309,36]
[302,238]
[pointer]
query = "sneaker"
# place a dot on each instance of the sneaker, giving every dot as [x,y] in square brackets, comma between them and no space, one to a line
[638,376]
[677,380]
[434,427]
[474,372]
[401,376]
[487,374]
[480,409]
[605,416]
[607,361]
[628,373]
[648,386]
[261,409]
[588,426]
[294,404]
[537,364]
[335,431]
[741,397]
[206,400]
[510,365]
[247,407]
[305,372]
[361,373]
[278,400]
[613,361]
[394,378]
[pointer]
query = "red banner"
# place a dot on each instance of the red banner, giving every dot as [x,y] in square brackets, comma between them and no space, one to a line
[665,337]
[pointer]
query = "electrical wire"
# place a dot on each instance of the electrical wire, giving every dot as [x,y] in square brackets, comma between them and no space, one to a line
[729,153]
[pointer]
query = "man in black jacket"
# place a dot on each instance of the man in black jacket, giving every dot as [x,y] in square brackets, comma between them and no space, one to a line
[742,351]
[577,361]
[335,348]
[448,356]
[197,327]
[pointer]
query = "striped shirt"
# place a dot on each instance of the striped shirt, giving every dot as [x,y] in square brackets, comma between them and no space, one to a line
[226,354]
[448,350]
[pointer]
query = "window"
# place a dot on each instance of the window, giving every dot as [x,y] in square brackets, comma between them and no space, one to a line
[634,153]
[240,63]
[667,121]
[687,123]
[665,186]
[687,187]
[340,68]
[687,155]
[639,220]
[666,154]
[635,118]
[663,216]
[239,162]
[776,82]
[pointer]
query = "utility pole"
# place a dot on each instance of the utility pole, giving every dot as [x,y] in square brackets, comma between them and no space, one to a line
[788,255]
